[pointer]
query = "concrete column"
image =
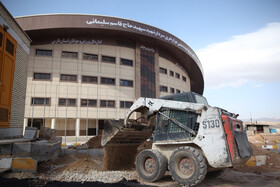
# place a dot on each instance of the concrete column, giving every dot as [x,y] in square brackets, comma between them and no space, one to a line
[77,127]
[25,124]
[53,123]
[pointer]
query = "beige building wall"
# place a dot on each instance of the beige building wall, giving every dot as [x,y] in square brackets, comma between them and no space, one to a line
[87,116]
[171,81]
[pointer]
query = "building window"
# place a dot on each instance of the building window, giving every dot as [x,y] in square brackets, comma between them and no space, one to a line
[109,59]
[126,62]
[162,70]
[43,52]
[163,88]
[70,78]
[89,102]
[177,75]
[172,90]
[40,101]
[66,102]
[89,79]
[107,103]
[178,91]
[184,78]
[128,83]
[110,81]
[42,76]
[68,54]
[125,104]
[87,56]
[171,73]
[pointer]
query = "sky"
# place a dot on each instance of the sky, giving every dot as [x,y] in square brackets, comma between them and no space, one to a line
[237,42]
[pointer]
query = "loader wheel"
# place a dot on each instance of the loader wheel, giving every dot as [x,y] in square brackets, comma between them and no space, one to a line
[151,165]
[187,166]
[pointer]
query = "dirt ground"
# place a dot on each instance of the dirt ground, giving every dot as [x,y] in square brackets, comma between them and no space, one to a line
[81,165]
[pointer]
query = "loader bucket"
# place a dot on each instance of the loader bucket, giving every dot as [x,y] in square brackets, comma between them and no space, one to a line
[121,143]
[116,134]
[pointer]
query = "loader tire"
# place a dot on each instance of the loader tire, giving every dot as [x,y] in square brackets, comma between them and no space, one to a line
[187,166]
[151,165]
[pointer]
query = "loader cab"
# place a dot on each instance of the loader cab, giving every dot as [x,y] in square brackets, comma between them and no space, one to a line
[191,97]
[166,130]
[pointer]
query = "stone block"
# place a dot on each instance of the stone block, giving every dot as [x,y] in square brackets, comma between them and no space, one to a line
[22,149]
[6,149]
[6,163]
[24,164]
[30,133]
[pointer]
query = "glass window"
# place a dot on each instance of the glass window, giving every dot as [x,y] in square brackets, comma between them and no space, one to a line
[163,70]
[68,54]
[42,76]
[109,59]
[107,103]
[163,88]
[40,101]
[43,52]
[87,56]
[66,102]
[70,78]
[128,83]
[172,90]
[110,81]
[178,91]
[89,102]
[200,99]
[10,47]
[184,78]
[125,104]
[171,73]
[177,75]
[89,79]
[126,62]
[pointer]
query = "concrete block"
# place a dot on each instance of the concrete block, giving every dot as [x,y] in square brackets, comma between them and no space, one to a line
[22,149]
[6,163]
[24,164]
[43,151]
[6,149]
[30,133]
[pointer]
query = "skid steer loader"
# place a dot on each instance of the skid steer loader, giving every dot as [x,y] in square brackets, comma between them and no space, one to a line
[190,138]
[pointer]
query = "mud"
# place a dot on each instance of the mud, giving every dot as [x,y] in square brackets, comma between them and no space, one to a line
[119,158]
[95,142]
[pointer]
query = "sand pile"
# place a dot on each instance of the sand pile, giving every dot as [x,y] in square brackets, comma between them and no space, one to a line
[95,142]
[119,158]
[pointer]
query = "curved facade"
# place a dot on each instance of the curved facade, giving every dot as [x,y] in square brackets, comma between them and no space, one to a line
[86,68]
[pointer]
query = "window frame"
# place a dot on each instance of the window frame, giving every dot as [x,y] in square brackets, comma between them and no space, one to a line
[101,101]
[66,99]
[94,106]
[102,78]
[107,61]
[89,59]
[125,80]
[34,79]
[161,88]
[49,50]
[49,104]
[171,73]
[68,80]
[177,75]
[84,82]
[125,105]
[121,62]
[69,52]
[163,70]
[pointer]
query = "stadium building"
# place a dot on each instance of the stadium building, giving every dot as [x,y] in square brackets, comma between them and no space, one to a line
[84,69]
